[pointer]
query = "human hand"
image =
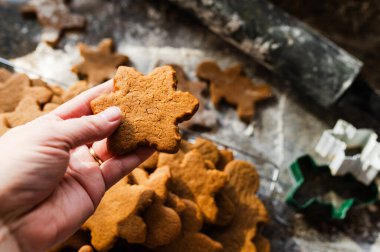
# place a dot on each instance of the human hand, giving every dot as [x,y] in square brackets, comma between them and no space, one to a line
[49,182]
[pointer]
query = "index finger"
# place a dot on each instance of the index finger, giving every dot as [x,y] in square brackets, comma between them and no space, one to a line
[80,105]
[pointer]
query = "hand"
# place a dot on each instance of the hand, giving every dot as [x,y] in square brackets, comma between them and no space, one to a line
[49,182]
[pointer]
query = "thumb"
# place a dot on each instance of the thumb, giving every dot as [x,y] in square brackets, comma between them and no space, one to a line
[88,129]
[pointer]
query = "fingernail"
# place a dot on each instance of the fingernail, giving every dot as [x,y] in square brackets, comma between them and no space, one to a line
[111,114]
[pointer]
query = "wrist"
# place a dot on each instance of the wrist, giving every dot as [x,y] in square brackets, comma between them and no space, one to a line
[7,241]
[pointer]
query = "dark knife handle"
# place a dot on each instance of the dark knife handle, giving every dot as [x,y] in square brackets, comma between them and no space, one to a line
[362,96]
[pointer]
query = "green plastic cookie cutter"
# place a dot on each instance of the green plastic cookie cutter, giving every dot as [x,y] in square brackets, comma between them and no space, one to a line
[317,191]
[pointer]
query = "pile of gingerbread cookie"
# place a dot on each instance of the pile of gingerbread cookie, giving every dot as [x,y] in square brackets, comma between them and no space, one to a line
[23,99]
[199,199]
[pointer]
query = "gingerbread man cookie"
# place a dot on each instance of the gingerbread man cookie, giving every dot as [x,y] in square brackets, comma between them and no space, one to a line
[204,117]
[191,239]
[18,86]
[99,64]
[151,109]
[192,180]
[226,206]
[55,17]
[119,215]
[163,223]
[234,87]
[243,184]
[207,149]
[175,202]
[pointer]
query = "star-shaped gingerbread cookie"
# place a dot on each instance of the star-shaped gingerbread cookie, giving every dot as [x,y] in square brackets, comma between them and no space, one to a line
[204,117]
[99,64]
[151,109]
[55,17]
[16,87]
[234,87]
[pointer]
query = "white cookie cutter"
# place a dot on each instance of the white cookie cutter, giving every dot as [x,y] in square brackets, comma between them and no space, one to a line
[349,150]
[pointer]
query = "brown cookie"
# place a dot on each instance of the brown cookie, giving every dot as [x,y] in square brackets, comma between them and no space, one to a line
[226,207]
[209,165]
[243,184]
[174,160]
[50,107]
[57,94]
[208,149]
[18,86]
[163,223]
[191,217]
[74,242]
[225,156]
[54,16]
[151,109]
[118,215]
[74,90]
[38,83]
[4,74]
[86,248]
[261,243]
[191,240]
[204,117]
[56,90]
[175,202]
[27,110]
[138,177]
[151,163]
[192,180]
[234,87]
[99,64]
[4,126]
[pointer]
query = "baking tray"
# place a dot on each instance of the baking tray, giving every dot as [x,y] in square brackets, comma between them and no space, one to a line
[283,129]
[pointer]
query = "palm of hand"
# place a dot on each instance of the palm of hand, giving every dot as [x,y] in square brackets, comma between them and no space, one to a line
[53,183]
